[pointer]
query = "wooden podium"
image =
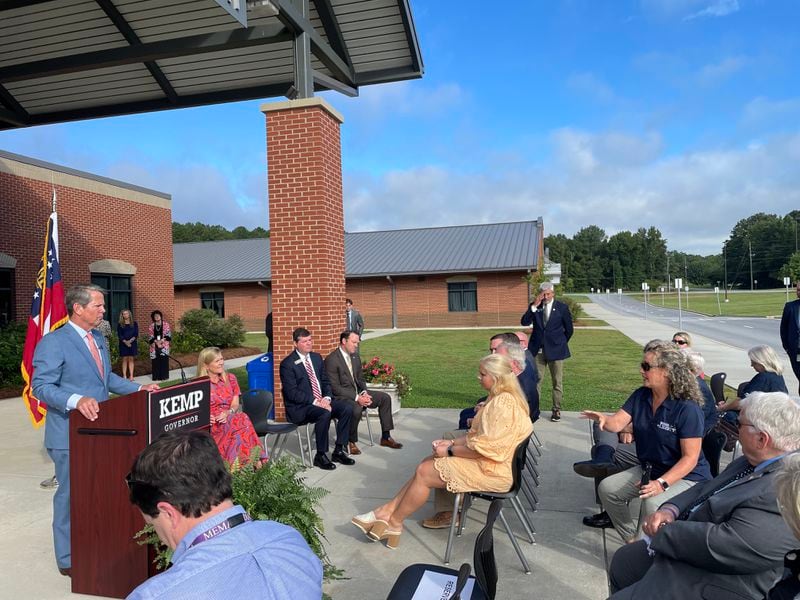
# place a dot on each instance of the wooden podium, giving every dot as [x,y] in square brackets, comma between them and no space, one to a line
[106,561]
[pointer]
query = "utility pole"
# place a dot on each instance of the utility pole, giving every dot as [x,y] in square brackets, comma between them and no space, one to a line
[750,252]
[725,261]
[668,281]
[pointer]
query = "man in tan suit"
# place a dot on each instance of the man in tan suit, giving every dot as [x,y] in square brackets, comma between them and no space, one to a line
[348,385]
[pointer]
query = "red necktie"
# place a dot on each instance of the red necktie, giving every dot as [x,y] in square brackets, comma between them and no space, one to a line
[95,353]
[312,378]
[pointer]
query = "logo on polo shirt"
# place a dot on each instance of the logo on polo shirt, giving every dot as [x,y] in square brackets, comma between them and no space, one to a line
[667,427]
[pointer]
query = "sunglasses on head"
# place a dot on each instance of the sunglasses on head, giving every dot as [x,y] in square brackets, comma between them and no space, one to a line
[142,489]
[680,342]
[646,366]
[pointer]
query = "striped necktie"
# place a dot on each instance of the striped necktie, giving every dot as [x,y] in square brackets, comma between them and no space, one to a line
[312,378]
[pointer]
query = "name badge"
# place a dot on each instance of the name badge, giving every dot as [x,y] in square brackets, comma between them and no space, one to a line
[667,427]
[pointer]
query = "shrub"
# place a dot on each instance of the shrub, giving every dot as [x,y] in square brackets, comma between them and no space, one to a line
[213,330]
[186,342]
[574,307]
[12,341]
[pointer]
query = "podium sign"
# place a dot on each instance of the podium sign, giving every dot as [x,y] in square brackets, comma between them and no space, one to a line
[185,406]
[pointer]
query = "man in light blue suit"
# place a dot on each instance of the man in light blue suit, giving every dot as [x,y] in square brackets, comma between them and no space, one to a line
[72,371]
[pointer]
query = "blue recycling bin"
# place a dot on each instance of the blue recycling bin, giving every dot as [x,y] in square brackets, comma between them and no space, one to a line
[260,376]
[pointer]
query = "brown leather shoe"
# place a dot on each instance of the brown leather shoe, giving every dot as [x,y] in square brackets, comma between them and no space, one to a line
[352,448]
[390,443]
[67,572]
[440,520]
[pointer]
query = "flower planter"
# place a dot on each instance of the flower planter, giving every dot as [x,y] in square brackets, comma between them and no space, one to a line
[388,388]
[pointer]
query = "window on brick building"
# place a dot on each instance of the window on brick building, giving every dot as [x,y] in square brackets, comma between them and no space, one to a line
[462,296]
[6,296]
[214,301]
[118,292]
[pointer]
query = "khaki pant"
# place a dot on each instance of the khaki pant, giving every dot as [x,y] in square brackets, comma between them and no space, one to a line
[556,368]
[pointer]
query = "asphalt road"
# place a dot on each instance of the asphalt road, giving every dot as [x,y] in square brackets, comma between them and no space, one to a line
[740,332]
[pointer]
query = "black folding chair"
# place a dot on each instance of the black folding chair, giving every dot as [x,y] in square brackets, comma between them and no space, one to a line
[256,404]
[717,386]
[483,559]
[465,500]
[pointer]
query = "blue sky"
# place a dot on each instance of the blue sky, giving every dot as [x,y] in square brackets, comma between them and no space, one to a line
[679,114]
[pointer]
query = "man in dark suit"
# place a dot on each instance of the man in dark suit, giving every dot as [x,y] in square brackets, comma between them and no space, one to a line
[307,397]
[724,538]
[552,329]
[72,371]
[790,332]
[348,385]
[353,321]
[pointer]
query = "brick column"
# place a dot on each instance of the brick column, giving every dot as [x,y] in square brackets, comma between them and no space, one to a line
[306,220]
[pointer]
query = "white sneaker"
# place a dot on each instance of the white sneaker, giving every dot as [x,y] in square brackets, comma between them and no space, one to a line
[49,484]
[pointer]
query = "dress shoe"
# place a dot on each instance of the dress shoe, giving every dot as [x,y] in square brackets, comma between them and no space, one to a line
[591,468]
[323,462]
[66,571]
[556,416]
[353,449]
[380,531]
[599,521]
[440,520]
[390,443]
[49,484]
[341,457]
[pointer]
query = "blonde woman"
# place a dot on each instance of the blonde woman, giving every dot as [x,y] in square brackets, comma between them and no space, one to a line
[128,333]
[479,460]
[768,377]
[232,430]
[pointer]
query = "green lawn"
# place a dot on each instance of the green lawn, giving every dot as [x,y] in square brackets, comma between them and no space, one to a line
[740,304]
[255,340]
[443,367]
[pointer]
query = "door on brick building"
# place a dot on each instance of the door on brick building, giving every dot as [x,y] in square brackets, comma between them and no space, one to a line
[117,289]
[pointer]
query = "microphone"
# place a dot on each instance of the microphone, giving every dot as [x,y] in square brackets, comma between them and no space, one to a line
[183,375]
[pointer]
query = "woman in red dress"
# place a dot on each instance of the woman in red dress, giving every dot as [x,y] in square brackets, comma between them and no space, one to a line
[232,430]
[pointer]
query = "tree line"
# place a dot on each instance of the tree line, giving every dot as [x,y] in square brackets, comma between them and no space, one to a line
[761,250]
[200,232]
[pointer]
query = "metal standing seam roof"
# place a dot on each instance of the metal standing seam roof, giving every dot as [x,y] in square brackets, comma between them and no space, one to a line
[461,249]
[65,60]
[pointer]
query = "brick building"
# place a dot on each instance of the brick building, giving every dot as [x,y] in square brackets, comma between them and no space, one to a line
[112,233]
[435,277]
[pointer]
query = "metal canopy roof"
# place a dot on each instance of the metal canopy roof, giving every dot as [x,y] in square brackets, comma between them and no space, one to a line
[66,60]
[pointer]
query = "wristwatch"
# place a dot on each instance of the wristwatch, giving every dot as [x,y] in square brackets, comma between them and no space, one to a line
[450,450]
[663,483]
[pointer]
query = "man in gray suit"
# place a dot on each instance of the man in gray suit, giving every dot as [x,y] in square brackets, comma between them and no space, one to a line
[348,385]
[724,538]
[72,371]
[354,320]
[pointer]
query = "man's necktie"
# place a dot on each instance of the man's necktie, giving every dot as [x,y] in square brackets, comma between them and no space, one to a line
[699,502]
[95,352]
[547,308]
[312,378]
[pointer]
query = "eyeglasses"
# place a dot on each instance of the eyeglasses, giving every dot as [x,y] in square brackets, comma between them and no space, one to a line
[743,424]
[143,490]
[680,342]
[646,366]
[493,349]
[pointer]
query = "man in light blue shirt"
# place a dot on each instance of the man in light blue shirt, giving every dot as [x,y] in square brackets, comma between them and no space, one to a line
[183,488]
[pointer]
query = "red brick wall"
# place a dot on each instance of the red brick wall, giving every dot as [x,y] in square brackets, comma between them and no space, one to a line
[306,219]
[91,226]
[248,300]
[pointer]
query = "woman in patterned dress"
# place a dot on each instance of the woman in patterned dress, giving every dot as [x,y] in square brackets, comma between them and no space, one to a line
[231,429]
[479,461]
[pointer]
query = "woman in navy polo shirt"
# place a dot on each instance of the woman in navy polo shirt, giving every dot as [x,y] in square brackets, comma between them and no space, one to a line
[768,377]
[668,428]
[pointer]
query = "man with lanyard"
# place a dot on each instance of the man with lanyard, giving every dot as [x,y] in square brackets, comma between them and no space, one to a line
[724,537]
[182,487]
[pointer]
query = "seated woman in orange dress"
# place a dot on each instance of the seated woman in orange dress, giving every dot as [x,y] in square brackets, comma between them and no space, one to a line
[232,430]
[479,461]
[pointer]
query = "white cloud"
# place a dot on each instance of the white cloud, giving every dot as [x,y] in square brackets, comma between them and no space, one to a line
[592,86]
[761,111]
[694,199]
[719,8]
[715,73]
